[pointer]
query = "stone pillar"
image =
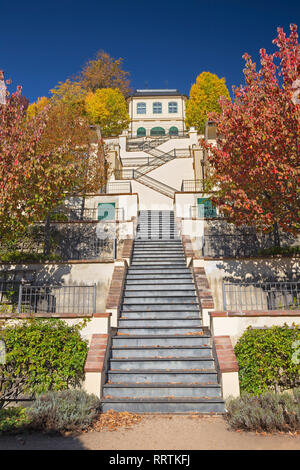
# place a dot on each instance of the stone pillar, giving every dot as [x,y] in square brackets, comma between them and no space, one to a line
[193,137]
[123,142]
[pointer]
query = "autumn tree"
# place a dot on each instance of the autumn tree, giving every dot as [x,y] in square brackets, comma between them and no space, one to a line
[257,161]
[107,108]
[105,72]
[71,94]
[204,98]
[34,108]
[42,160]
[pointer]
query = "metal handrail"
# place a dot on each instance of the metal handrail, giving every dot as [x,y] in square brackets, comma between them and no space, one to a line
[192,185]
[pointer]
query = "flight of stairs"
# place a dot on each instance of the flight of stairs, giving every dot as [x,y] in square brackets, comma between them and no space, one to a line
[161,357]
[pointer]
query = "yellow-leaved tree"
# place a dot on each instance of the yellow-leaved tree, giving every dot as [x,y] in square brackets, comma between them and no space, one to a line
[108,109]
[204,98]
[34,108]
[71,94]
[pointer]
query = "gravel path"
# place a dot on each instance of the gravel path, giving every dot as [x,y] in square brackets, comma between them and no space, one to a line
[157,433]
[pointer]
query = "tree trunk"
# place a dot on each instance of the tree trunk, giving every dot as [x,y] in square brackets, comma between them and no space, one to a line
[82,208]
[276,235]
[47,237]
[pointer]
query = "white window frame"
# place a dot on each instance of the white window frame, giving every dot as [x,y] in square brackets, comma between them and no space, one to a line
[155,105]
[172,104]
[141,108]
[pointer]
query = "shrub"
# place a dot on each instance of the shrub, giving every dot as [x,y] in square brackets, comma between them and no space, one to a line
[68,410]
[13,419]
[267,412]
[265,359]
[280,250]
[41,355]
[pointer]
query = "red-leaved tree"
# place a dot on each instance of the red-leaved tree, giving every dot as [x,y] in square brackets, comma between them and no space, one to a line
[256,163]
[42,160]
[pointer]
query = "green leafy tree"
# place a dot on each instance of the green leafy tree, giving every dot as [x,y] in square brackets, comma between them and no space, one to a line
[107,108]
[204,98]
[41,355]
[266,359]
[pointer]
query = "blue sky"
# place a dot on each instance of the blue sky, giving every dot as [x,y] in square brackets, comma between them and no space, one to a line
[164,43]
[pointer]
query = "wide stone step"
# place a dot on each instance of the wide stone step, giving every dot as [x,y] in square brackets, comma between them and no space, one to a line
[152,315]
[166,330]
[168,352]
[168,299]
[163,376]
[164,270]
[152,263]
[161,341]
[178,322]
[158,244]
[169,286]
[146,363]
[164,405]
[140,277]
[138,283]
[158,250]
[160,293]
[162,255]
[160,308]
[158,390]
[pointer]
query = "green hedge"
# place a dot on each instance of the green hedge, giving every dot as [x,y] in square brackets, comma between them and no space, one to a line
[42,355]
[267,359]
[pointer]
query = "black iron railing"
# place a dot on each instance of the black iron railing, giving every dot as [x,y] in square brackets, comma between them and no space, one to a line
[261,296]
[192,185]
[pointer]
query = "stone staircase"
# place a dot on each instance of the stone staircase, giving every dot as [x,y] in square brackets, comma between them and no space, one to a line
[161,357]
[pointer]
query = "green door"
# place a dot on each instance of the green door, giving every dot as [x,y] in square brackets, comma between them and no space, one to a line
[107,211]
[205,208]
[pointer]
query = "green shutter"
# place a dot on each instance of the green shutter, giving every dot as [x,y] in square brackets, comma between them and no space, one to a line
[106,211]
[205,208]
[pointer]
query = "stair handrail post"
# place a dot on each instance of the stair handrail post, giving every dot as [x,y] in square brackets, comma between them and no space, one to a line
[224,295]
[94,297]
[20,298]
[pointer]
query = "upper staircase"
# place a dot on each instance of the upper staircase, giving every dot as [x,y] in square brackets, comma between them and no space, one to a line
[161,357]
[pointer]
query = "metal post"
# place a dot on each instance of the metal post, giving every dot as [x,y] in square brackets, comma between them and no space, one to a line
[224,296]
[94,298]
[20,298]
[115,248]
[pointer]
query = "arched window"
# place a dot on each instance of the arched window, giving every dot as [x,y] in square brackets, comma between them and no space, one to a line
[157,131]
[157,108]
[173,107]
[173,130]
[141,108]
[141,132]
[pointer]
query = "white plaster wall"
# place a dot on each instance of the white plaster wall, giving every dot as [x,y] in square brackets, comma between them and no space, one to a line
[254,269]
[235,326]
[70,274]
[127,202]
[173,172]
[184,201]
[150,199]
